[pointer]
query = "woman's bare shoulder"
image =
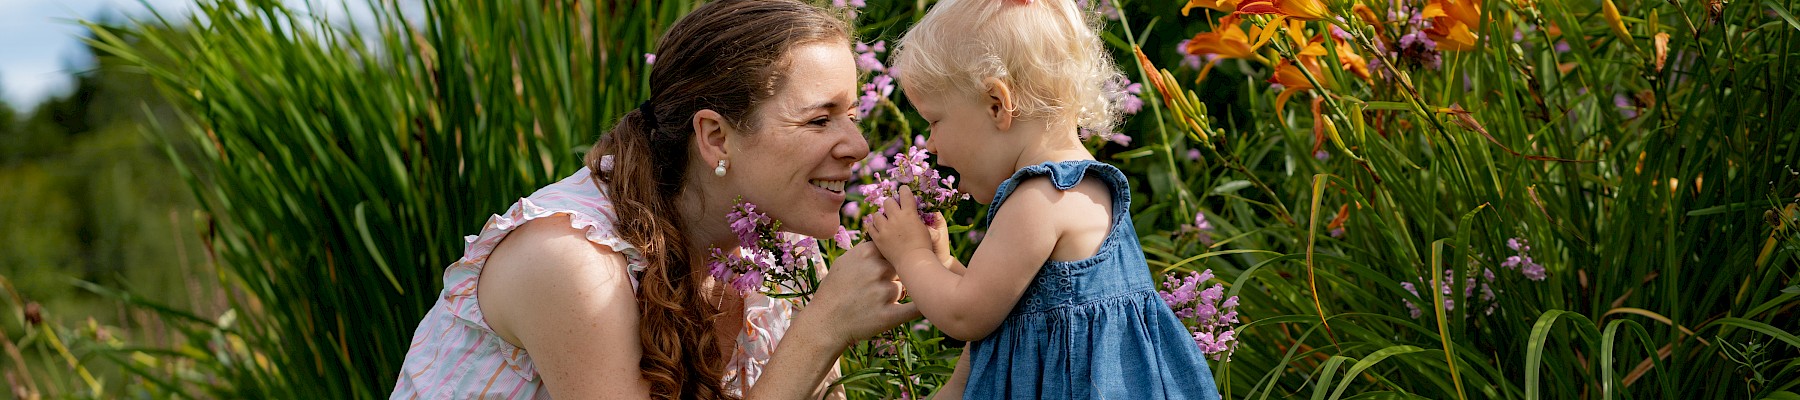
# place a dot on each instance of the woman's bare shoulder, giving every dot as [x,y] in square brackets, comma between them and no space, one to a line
[548,269]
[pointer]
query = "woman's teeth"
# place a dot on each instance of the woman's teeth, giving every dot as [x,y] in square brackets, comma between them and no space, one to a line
[834,186]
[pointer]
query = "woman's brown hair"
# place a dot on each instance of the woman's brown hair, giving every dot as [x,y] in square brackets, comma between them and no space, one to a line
[724,56]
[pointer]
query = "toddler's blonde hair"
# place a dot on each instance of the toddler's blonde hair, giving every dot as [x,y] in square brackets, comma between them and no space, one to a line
[1047,52]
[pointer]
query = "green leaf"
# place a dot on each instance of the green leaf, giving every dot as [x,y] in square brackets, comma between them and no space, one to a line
[1783,12]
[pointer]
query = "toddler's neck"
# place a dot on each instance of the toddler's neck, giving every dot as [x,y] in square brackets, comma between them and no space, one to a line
[1052,144]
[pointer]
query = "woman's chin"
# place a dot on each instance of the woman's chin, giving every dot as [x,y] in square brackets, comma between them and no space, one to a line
[817,227]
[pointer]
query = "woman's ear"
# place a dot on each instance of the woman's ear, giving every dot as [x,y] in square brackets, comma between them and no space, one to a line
[711,136]
[999,103]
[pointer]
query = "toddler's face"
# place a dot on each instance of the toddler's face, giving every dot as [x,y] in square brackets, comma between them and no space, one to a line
[962,135]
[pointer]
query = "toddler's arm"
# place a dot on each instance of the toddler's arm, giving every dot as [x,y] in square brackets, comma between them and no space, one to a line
[970,305]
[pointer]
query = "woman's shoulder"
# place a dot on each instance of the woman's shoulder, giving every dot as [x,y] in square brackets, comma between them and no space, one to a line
[548,265]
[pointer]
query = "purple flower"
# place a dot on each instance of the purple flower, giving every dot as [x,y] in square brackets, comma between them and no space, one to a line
[763,257]
[1523,262]
[748,281]
[1120,138]
[1187,59]
[1124,93]
[649,58]
[1471,286]
[845,238]
[932,192]
[1625,105]
[1102,7]
[866,58]
[874,92]
[1201,227]
[1419,50]
[1533,271]
[744,222]
[1207,318]
[1410,307]
[1321,155]
[1193,155]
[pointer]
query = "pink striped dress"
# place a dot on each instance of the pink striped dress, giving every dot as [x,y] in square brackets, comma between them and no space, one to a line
[454,355]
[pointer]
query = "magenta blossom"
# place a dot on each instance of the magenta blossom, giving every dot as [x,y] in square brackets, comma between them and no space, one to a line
[932,192]
[764,257]
[1209,319]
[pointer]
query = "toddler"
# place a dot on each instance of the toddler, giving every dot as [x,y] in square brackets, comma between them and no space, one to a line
[1057,301]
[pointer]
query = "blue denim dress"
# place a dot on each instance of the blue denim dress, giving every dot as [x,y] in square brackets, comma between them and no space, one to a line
[1093,328]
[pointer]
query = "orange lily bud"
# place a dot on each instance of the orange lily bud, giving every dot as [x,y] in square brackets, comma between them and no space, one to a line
[1611,13]
[1662,49]
[1367,15]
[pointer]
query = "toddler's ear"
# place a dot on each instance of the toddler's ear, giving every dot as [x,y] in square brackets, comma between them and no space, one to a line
[999,102]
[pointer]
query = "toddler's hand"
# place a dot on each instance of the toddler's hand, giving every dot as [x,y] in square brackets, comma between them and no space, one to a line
[940,238]
[899,233]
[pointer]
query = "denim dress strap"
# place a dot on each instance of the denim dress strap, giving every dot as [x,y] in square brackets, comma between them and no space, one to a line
[1065,175]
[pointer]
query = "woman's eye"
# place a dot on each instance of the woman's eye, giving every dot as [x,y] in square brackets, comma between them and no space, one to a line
[821,121]
[855,119]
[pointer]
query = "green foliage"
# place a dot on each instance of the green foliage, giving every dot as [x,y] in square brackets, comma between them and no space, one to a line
[341,165]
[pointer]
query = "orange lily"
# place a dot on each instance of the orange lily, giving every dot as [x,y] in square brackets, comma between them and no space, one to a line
[1347,57]
[1293,81]
[1229,39]
[1349,60]
[1308,10]
[1221,5]
[1452,23]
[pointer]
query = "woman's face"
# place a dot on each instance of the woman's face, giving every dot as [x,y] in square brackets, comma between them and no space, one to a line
[796,163]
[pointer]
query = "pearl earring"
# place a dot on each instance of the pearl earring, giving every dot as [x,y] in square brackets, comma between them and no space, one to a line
[720,170]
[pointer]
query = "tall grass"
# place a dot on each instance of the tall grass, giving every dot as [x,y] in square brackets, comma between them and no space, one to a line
[344,162]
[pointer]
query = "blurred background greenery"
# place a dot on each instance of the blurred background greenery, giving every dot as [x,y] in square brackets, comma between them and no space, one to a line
[255,201]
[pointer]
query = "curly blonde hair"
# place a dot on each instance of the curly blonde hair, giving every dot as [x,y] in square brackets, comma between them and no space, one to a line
[1047,52]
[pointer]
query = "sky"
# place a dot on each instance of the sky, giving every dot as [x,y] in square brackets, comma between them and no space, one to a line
[40,40]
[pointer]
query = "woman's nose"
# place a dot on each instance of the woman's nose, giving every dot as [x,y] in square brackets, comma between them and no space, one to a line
[854,147]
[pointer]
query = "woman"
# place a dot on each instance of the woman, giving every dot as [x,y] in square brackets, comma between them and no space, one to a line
[591,287]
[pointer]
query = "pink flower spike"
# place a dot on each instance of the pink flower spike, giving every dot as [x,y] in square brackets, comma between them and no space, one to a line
[845,238]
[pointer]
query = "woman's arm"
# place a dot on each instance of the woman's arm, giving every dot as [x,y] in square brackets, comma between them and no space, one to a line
[548,289]
[858,299]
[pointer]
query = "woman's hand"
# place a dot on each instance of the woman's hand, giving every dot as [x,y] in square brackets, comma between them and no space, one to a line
[858,299]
